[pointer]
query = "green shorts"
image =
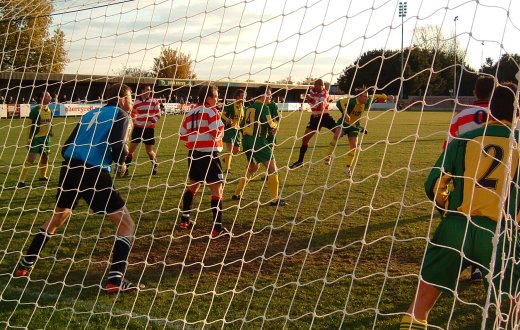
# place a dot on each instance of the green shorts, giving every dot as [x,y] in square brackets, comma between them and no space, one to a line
[258,150]
[271,138]
[443,261]
[40,145]
[350,131]
[232,135]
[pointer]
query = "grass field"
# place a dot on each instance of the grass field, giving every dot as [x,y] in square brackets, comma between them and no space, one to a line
[340,255]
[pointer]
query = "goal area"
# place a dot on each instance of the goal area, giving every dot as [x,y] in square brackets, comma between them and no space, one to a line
[345,252]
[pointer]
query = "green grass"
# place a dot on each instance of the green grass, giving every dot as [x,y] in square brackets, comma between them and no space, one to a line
[340,255]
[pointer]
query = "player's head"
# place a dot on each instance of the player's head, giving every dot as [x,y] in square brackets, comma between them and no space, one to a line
[361,94]
[145,91]
[240,95]
[45,98]
[120,95]
[502,104]
[318,84]
[263,93]
[484,87]
[208,95]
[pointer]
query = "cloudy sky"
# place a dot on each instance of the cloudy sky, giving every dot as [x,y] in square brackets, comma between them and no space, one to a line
[271,39]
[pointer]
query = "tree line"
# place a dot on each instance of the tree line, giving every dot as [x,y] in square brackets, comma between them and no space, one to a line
[429,66]
[426,72]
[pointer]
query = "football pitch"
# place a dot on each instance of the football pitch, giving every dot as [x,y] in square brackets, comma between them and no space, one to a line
[341,254]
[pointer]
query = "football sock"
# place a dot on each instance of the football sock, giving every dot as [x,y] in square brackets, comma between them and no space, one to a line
[25,170]
[187,202]
[351,156]
[216,207]
[242,183]
[272,184]
[42,170]
[154,162]
[34,249]
[227,161]
[120,253]
[409,323]
[303,150]
[128,159]
[332,145]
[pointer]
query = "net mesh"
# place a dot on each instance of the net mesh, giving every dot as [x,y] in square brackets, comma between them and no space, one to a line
[346,250]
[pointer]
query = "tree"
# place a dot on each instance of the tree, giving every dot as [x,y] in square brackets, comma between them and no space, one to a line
[505,69]
[135,72]
[286,81]
[427,71]
[428,67]
[446,51]
[173,64]
[487,67]
[431,37]
[25,39]
[379,68]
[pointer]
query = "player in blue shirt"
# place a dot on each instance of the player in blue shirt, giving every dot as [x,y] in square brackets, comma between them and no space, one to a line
[96,142]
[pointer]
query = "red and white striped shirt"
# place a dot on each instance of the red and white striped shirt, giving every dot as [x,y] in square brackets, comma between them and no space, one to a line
[146,113]
[202,129]
[468,120]
[318,101]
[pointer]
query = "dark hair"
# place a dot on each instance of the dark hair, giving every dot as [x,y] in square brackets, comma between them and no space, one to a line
[144,86]
[360,90]
[502,104]
[484,87]
[115,91]
[262,90]
[238,92]
[206,90]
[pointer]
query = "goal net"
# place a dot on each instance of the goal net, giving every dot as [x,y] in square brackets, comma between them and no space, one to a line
[345,251]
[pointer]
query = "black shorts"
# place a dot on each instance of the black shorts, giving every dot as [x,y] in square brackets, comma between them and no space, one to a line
[204,167]
[317,122]
[145,135]
[92,184]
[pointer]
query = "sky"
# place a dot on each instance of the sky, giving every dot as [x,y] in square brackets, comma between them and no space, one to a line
[272,39]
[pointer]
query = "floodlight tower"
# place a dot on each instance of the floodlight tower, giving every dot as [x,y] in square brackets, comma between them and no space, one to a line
[455,57]
[402,14]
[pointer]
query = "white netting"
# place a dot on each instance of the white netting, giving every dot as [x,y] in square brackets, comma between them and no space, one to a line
[345,252]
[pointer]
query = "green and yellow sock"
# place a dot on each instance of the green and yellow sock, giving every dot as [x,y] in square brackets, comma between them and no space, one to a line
[227,162]
[273,185]
[242,183]
[25,170]
[332,146]
[42,170]
[409,323]
[351,157]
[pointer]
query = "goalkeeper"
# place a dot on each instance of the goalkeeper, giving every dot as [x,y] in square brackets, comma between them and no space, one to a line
[482,167]
[349,124]
[98,140]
